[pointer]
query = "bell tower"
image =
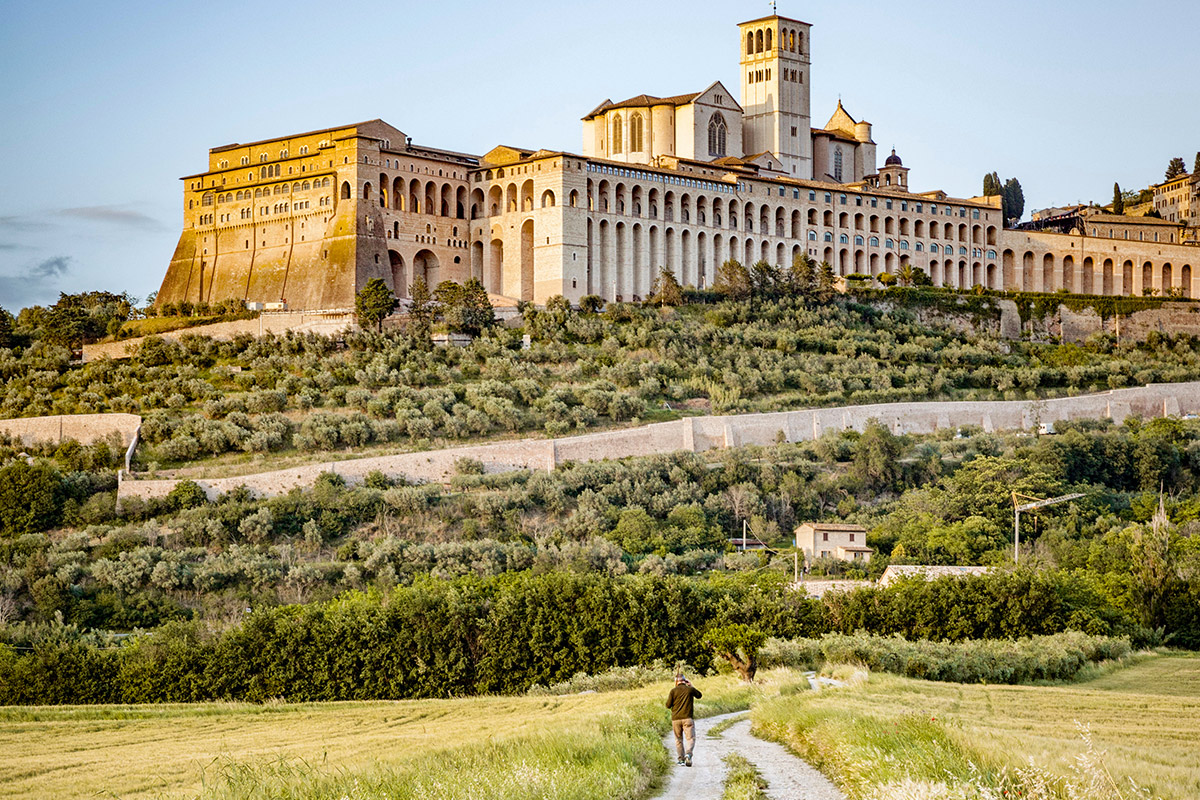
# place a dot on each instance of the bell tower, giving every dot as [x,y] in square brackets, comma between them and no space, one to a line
[775,91]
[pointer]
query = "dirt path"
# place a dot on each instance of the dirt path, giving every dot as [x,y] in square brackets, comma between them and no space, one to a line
[788,777]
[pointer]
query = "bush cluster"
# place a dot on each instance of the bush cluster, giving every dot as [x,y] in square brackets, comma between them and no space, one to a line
[1055,657]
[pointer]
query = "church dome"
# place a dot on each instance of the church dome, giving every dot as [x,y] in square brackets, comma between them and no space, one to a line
[893,160]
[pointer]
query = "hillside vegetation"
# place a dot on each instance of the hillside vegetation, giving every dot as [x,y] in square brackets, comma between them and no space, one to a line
[317,396]
[532,577]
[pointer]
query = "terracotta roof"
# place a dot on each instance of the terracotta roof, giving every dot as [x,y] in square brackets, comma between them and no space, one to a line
[1121,219]
[774,16]
[643,101]
[236,145]
[832,526]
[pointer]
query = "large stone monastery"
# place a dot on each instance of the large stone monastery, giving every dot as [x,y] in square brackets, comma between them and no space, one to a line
[682,182]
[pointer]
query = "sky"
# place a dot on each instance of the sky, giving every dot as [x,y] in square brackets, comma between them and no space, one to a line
[104,106]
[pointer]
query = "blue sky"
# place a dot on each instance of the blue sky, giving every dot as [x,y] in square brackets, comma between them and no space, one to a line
[105,105]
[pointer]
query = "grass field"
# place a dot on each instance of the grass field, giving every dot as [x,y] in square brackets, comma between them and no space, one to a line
[579,746]
[1145,718]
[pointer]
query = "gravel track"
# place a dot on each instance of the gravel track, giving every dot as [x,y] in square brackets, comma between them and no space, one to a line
[788,777]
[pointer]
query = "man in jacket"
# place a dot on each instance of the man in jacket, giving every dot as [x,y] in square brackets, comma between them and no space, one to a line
[680,702]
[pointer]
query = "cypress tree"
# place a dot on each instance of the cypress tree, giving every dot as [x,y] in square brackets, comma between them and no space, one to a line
[1118,200]
[1176,168]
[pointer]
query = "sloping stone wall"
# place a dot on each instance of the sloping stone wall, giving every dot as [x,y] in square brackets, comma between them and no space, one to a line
[697,434]
[84,428]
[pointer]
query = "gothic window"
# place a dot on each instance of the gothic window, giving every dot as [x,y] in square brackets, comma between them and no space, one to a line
[616,133]
[635,134]
[716,135]
[837,164]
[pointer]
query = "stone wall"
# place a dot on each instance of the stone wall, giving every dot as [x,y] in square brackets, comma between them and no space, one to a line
[322,322]
[697,434]
[1170,319]
[84,428]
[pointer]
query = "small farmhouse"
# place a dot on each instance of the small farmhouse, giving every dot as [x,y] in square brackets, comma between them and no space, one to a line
[833,540]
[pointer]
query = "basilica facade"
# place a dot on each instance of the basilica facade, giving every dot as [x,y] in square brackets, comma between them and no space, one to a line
[682,182]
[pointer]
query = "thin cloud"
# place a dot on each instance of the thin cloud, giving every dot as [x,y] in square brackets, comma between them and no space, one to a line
[114,215]
[23,223]
[37,283]
[51,267]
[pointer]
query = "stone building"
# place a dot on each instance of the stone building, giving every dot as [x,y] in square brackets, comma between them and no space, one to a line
[308,219]
[682,182]
[833,540]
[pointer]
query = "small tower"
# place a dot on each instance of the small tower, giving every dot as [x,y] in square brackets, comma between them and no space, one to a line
[894,173]
[775,91]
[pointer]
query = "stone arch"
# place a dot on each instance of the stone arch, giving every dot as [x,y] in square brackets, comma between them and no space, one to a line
[1048,282]
[1185,277]
[527,260]
[477,260]
[527,196]
[425,265]
[1008,269]
[1106,277]
[1087,276]
[399,274]
[1068,274]
[493,279]
[548,199]
[345,190]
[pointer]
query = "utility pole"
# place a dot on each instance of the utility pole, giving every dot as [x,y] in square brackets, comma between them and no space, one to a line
[1030,506]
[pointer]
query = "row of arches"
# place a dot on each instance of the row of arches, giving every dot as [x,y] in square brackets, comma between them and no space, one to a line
[1044,272]
[511,199]
[424,265]
[489,265]
[413,196]
[763,41]
[623,259]
[778,221]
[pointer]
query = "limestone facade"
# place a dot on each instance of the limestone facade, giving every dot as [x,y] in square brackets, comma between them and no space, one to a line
[683,182]
[307,220]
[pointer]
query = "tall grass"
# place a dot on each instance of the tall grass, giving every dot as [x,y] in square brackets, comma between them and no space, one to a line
[743,781]
[1060,657]
[1123,736]
[624,759]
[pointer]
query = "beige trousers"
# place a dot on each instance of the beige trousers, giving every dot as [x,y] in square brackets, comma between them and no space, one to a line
[684,728]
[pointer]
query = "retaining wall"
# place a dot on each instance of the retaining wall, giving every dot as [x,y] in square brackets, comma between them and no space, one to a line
[697,434]
[323,322]
[84,428]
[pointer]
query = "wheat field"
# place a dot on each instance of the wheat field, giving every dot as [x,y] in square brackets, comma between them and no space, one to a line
[1144,718]
[572,746]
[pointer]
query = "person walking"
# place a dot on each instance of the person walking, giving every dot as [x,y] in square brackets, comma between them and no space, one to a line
[682,723]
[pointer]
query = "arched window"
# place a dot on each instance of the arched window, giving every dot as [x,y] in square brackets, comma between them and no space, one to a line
[635,134]
[617,142]
[837,164]
[345,190]
[768,39]
[716,135]
[758,42]
[749,43]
